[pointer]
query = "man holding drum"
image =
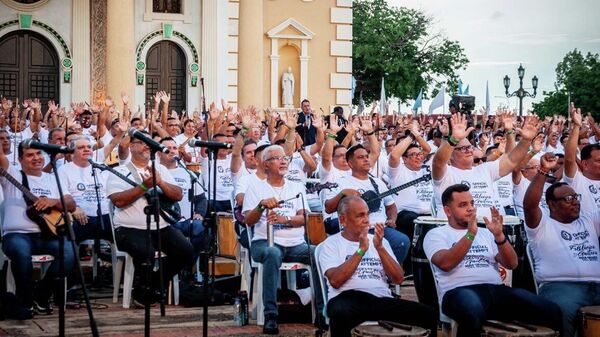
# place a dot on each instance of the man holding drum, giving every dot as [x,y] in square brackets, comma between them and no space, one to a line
[358,267]
[465,260]
[564,245]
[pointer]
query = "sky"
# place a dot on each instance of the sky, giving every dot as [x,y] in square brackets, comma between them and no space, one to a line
[498,35]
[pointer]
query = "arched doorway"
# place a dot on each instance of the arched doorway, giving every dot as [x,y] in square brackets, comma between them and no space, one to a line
[29,67]
[166,71]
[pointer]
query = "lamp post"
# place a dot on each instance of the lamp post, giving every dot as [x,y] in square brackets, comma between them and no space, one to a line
[521,93]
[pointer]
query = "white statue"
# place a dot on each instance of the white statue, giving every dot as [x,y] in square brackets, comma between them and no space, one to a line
[287,89]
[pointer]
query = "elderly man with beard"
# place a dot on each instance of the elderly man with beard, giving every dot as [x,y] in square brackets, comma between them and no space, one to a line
[276,202]
[130,220]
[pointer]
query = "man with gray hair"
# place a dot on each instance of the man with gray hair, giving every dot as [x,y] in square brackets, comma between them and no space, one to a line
[358,267]
[276,202]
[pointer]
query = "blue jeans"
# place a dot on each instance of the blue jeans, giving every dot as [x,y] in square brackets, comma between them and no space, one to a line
[399,242]
[196,235]
[470,306]
[271,258]
[570,296]
[19,247]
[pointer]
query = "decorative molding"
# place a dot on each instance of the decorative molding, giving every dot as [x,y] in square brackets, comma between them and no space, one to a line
[98,23]
[275,32]
[63,44]
[185,16]
[25,7]
[185,39]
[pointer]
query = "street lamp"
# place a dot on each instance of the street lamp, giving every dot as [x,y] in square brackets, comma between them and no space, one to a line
[521,93]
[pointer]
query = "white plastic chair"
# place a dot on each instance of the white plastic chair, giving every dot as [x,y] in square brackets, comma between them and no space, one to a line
[449,326]
[322,280]
[532,265]
[44,261]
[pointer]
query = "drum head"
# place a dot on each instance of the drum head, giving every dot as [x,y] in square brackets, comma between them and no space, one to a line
[431,220]
[590,311]
[489,331]
[378,331]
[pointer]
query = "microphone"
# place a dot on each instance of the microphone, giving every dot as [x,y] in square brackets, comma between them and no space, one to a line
[211,145]
[154,145]
[95,165]
[48,148]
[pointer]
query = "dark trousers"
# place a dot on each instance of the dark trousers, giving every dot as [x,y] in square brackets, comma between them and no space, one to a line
[178,249]
[219,206]
[405,223]
[351,308]
[471,306]
[93,228]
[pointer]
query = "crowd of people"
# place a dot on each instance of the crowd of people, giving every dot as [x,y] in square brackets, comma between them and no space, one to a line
[469,170]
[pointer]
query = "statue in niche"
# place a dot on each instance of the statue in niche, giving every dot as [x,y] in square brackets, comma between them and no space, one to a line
[287,89]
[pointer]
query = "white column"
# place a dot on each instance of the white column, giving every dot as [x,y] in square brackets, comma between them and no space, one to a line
[81,79]
[274,72]
[214,49]
[304,70]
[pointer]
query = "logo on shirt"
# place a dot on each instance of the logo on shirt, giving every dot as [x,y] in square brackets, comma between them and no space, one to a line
[593,189]
[464,182]
[80,187]
[566,236]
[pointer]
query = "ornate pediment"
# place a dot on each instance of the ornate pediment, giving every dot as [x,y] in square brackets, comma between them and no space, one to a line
[290,29]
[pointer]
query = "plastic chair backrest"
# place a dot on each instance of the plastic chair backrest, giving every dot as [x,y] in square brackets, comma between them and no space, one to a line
[322,280]
[532,265]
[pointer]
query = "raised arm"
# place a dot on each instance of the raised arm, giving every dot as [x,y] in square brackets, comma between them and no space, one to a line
[442,156]
[571,146]
[533,196]
[529,131]
[448,259]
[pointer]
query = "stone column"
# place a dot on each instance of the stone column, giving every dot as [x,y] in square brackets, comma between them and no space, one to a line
[120,50]
[250,60]
[81,51]
[214,50]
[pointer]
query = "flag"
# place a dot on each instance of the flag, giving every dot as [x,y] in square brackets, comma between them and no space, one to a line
[438,101]
[382,102]
[361,105]
[466,92]
[418,102]
[353,86]
[487,97]
[460,89]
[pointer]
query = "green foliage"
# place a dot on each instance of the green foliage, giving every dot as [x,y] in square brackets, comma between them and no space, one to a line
[580,75]
[396,43]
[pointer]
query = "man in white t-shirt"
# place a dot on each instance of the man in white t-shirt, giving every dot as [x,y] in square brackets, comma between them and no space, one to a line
[383,209]
[22,237]
[130,220]
[276,202]
[465,261]
[584,176]
[358,267]
[77,178]
[224,183]
[457,151]
[564,245]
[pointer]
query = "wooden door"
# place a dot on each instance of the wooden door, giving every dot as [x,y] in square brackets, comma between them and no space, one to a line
[29,67]
[166,71]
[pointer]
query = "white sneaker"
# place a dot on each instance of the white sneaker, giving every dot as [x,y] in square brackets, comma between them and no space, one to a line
[305,295]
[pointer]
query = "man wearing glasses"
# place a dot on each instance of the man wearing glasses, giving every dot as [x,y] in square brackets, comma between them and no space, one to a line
[453,164]
[564,245]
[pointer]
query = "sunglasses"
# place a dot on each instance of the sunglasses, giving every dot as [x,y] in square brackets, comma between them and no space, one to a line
[479,160]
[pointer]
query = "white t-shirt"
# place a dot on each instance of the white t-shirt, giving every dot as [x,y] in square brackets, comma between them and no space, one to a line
[589,189]
[243,171]
[15,219]
[242,185]
[285,235]
[295,171]
[504,190]
[80,184]
[480,180]
[183,180]
[566,252]
[519,195]
[405,199]
[180,139]
[224,182]
[132,215]
[369,276]
[478,266]
[362,186]
[331,176]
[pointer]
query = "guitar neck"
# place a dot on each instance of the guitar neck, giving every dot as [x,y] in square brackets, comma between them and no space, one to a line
[404,186]
[26,192]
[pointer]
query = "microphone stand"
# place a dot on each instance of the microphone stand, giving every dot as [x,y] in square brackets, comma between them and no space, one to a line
[100,223]
[63,230]
[311,263]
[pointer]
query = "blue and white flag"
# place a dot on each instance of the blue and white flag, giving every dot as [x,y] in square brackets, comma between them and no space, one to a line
[460,87]
[361,105]
[418,102]
[353,86]
[466,92]
[438,100]
[382,101]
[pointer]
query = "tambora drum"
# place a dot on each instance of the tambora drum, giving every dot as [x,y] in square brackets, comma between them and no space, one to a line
[501,329]
[590,321]
[226,237]
[373,330]
[316,228]
[424,282]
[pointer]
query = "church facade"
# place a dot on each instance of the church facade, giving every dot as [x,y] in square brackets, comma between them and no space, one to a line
[237,50]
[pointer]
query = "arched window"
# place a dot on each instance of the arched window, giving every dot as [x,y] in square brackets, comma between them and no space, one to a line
[166,6]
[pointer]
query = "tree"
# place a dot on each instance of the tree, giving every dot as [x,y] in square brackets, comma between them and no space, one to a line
[576,74]
[396,43]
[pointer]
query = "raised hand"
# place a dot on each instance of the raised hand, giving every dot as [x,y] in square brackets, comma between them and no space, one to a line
[366,124]
[537,144]
[333,123]
[318,122]
[460,130]
[577,118]
[378,238]
[548,162]
[124,98]
[52,107]
[496,224]
[165,97]
[509,119]
[530,128]
[444,127]
[291,119]
[108,102]
[158,97]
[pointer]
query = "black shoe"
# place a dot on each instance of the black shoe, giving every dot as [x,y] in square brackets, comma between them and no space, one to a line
[321,323]
[42,307]
[271,327]
[141,297]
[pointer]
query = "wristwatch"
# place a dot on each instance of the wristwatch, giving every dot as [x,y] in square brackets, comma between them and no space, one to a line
[288,219]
